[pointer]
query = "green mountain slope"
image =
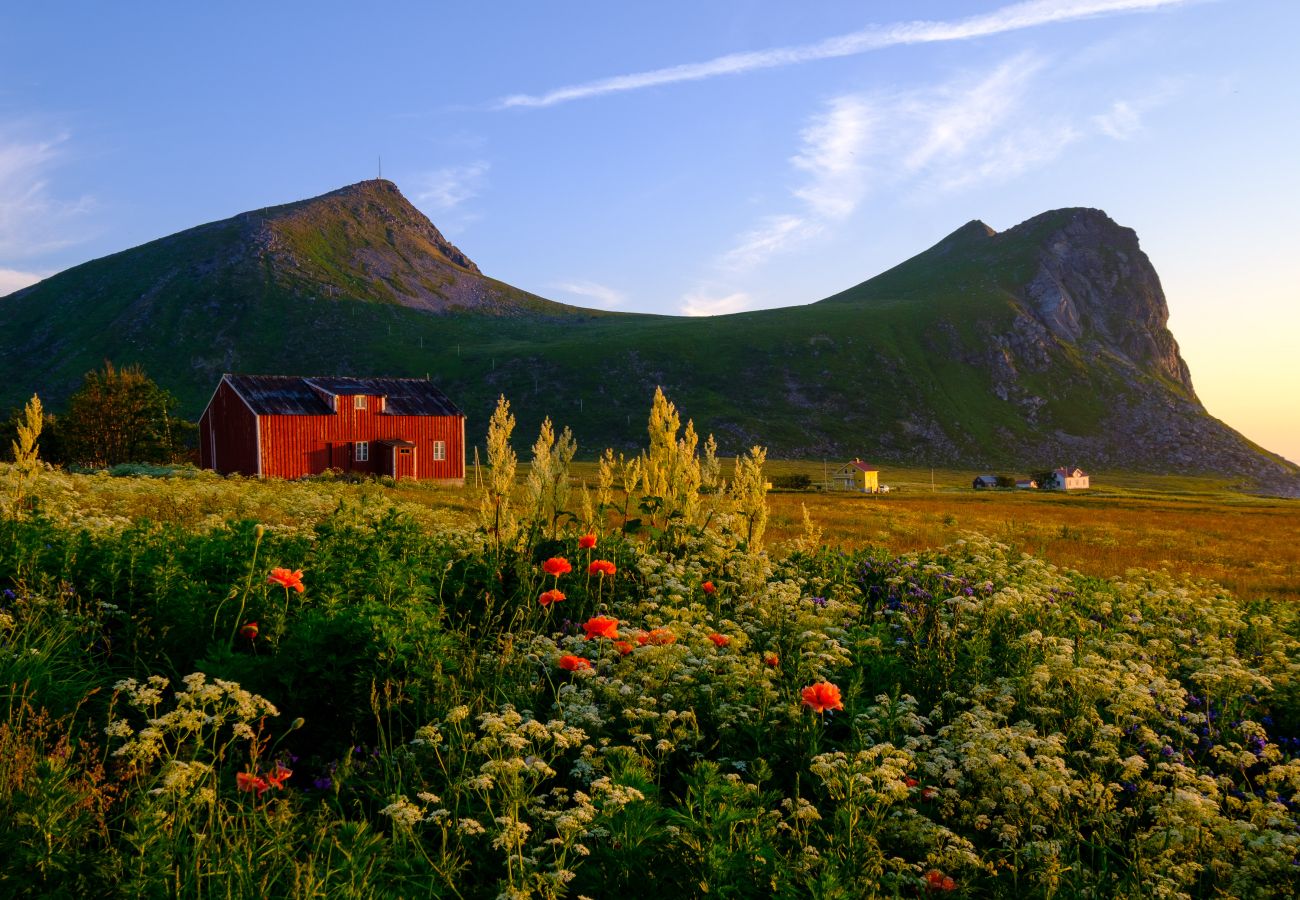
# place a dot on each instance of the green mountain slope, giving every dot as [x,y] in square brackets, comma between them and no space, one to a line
[1043,345]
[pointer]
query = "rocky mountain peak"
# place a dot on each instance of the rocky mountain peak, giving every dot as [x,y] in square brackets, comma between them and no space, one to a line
[1092,284]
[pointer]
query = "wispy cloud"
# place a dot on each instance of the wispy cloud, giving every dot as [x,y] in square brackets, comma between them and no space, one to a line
[1014,17]
[12,280]
[447,188]
[1121,121]
[703,302]
[604,295]
[972,128]
[773,234]
[32,219]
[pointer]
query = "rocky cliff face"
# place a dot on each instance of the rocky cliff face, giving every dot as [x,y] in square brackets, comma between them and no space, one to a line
[1094,285]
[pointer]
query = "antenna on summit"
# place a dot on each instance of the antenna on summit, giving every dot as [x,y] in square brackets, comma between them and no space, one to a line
[380,177]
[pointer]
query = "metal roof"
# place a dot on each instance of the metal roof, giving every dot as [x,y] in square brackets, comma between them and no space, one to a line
[299,395]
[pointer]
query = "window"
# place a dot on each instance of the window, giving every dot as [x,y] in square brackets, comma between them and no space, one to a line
[359,401]
[439,450]
[362,451]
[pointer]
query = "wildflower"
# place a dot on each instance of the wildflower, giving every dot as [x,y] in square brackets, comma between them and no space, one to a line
[929,793]
[249,782]
[287,578]
[623,647]
[911,782]
[708,588]
[601,567]
[822,696]
[586,542]
[772,659]
[601,626]
[657,637]
[937,881]
[720,639]
[551,596]
[279,777]
[248,630]
[571,663]
[557,566]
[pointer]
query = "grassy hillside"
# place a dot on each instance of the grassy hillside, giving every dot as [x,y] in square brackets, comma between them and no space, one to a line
[942,359]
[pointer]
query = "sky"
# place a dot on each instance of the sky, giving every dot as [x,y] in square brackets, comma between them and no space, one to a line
[692,158]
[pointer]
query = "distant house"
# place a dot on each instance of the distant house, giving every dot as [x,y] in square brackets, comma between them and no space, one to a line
[1066,479]
[857,476]
[1026,484]
[984,481]
[288,426]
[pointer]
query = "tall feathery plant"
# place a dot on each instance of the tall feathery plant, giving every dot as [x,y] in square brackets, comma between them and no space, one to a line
[548,476]
[495,511]
[26,450]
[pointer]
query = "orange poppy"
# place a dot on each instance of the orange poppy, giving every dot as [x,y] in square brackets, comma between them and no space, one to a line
[771,659]
[656,636]
[557,566]
[551,596]
[708,587]
[601,627]
[720,639]
[586,542]
[248,782]
[822,696]
[623,647]
[601,567]
[248,630]
[572,663]
[937,881]
[287,578]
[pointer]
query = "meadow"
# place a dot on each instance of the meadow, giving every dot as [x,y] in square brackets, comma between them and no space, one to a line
[645,677]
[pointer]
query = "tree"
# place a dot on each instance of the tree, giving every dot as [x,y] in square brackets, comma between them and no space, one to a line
[120,415]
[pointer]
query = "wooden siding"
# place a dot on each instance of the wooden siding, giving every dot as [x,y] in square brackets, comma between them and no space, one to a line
[228,434]
[293,446]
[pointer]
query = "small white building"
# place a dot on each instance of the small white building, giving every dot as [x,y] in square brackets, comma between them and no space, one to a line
[1066,479]
[1027,484]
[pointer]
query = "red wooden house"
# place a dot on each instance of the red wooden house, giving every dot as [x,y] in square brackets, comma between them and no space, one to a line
[287,426]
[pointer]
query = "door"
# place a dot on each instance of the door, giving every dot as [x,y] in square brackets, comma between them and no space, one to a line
[403,462]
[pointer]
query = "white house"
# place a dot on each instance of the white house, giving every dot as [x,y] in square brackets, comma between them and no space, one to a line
[1066,479]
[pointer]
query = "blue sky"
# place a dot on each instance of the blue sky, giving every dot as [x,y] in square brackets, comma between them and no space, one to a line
[692,158]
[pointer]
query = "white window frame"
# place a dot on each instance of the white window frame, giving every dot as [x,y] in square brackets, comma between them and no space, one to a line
[439,451]
[359,401]
[361,451]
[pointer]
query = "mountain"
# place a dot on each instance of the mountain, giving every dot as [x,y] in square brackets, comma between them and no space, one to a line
[1046,344]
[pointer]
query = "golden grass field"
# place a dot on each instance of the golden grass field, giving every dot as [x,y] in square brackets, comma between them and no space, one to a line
[1196,526]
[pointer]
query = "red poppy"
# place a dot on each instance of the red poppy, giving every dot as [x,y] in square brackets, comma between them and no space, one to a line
[572,663]
[248,630]
[601,627]
[708,588]
[937,881]
[601,567]
[279,777]
[623,647]
[287,578]
[720,639]
[771,659]
[557,566]
[656,636]
[822,696]
[911,782]
[586,542]
[929,793]
[248,782]
[551,596]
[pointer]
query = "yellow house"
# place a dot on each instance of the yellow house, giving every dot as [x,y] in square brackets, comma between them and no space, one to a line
[857,476]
